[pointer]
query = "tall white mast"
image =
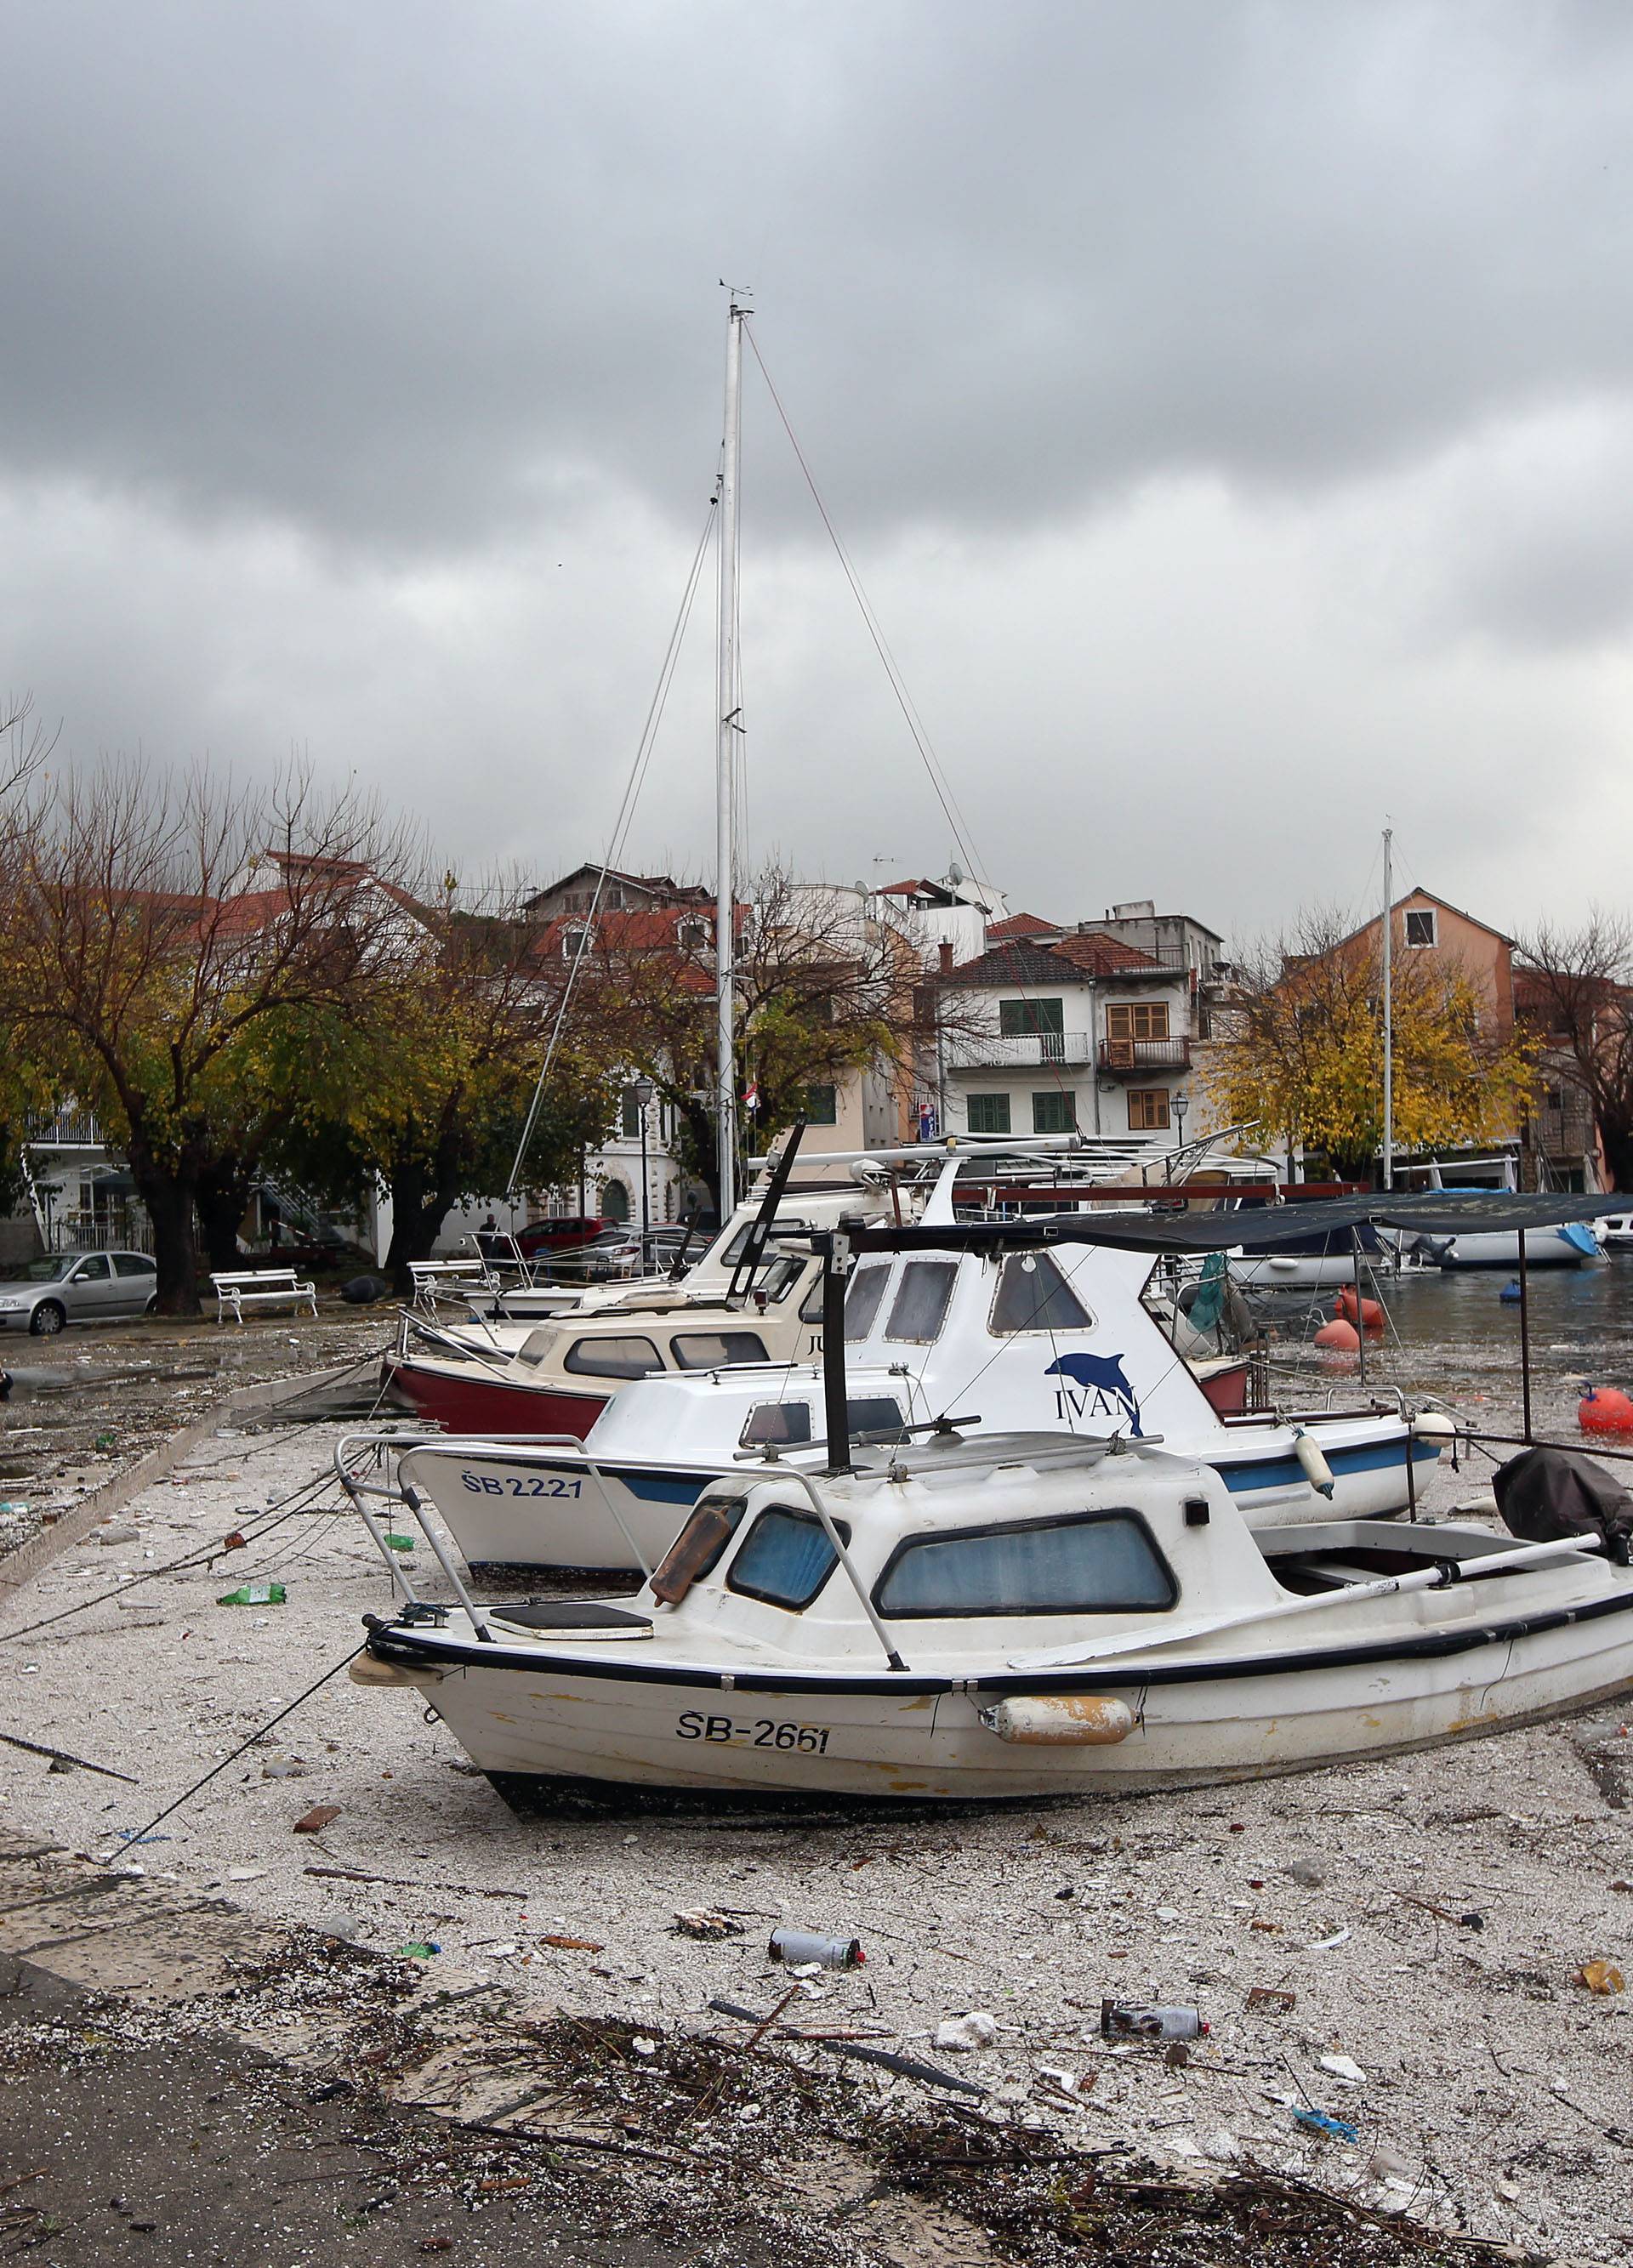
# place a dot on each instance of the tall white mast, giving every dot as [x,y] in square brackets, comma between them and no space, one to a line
[1389,1018]
[725,797]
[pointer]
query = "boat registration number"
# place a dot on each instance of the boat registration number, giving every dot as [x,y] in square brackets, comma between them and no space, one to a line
[499,1485]
[762,1733]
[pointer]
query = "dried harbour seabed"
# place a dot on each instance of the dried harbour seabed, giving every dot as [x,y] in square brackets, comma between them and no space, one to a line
[1493,2092]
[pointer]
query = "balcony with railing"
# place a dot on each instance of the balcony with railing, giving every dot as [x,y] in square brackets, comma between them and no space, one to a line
[1134,1058]
[71,1128]
[1028,1051]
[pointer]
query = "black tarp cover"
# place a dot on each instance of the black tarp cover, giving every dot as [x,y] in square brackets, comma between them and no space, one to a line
[1261,1228]
[1544,1493]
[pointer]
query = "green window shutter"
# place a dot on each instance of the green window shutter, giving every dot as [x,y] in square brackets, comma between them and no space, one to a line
[1024,1019]
[989,1114]
[1052,1113]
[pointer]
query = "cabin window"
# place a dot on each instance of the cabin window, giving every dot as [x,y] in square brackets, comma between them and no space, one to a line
[1033,1295]
[776,1426]
[781,1278]
[989,1114]
[1136,1019]
[1420,925]
[1148,1108]
[535,1346]
[1054,1113]
[875,1417]
[1089,1564]
[708,1349]
[739,1243]
[921,1304]
[862,1301]
[785,1559]
[609,1358]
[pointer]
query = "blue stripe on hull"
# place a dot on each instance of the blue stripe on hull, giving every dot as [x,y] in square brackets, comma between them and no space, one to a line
[1244,1475]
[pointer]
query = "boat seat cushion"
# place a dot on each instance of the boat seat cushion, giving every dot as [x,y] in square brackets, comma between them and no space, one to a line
[580,1617]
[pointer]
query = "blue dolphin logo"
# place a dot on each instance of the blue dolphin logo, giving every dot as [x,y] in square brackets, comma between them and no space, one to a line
[1103,1375]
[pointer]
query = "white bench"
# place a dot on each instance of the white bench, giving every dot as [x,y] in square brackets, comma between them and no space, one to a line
[452,1275]
[261,1287]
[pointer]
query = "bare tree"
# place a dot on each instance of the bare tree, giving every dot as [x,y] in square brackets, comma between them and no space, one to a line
[1576,990]
[824,987]
[154,929]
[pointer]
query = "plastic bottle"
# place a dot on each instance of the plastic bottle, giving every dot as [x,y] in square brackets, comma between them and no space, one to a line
[256,1594]
[1126,2020]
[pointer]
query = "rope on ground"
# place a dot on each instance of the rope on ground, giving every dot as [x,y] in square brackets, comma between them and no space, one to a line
[259,1734]
[275,1516]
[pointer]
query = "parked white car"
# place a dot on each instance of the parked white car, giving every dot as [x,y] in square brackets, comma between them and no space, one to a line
[76,1287]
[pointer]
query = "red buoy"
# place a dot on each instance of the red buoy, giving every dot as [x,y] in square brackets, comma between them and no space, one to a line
[1372,1316]
[1605,1410]
[1339,1337]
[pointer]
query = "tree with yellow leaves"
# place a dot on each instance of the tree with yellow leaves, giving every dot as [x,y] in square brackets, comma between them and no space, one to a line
[1299,1049]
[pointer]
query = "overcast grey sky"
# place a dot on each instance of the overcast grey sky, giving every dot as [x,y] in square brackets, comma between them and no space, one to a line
[1230,407]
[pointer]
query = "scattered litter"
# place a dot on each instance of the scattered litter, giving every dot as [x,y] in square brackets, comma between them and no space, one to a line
[571,1944]
[1318,2123]
[1345,2068]
[1270,1997]
[1309,1873]
[65,1756]
[399,1542]
[1326,1944]
[1599,1977]
[420,1949]
[505,1951]
[256,1594]
[1126,2020]
[319,1817]
[1062,2082]
[799,1946]
[108,1535]
[337,2091]
[236,1542]
[706,1925]
[963,2034]
[904,2065]
[285,1768]
[642,2046]
[245,1873]
[1167,1913]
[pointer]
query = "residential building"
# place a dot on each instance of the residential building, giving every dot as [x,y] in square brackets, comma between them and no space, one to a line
[1081,1032]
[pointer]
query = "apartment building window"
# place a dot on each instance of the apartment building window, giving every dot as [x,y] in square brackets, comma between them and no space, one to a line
[989,1114]
[1147,1109]
[1043,1020]
[822,1105]
[629,1121]
[1136,1019]
[1054,1113]
[1420,925]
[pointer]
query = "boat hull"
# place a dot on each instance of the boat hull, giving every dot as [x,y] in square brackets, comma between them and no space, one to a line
[544,1726]
[443,1394]
[577,1513]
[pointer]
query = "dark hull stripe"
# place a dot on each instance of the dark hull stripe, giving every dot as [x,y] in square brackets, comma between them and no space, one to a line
[390,1644]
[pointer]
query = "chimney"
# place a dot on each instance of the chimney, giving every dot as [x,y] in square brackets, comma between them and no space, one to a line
[947,960]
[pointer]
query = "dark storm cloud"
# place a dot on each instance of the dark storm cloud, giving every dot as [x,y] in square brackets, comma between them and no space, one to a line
[409,274]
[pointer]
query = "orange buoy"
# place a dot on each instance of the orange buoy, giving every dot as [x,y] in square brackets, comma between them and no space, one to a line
[1605,1410]
[1372,1316]
[1339,1338]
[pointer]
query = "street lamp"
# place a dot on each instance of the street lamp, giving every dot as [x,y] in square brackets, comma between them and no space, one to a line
[643,1091]
[1180,1104]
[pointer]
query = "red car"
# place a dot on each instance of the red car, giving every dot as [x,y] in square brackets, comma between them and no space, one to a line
[564,1233]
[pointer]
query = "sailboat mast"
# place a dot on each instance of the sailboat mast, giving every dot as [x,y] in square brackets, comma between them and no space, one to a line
[1389,1016]
[725,779]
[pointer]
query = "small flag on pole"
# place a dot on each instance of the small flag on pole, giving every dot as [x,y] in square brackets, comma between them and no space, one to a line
[752,1095]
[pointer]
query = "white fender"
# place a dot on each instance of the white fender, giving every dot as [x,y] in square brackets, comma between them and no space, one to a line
[1318,1472]
[1060,1719]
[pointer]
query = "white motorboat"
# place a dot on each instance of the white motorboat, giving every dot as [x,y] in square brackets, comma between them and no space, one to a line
[1034,1616]
[1569,1241]
[1005,1339]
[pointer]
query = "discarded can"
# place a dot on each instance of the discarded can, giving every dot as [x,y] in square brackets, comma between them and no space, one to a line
[797,1947]
[1126,2020]
[256,1594]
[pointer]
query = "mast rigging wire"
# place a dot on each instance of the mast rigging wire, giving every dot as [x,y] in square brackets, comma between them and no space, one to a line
[622,823]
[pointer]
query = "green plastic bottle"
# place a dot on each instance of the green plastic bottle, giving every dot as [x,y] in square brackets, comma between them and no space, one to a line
[256,1594]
